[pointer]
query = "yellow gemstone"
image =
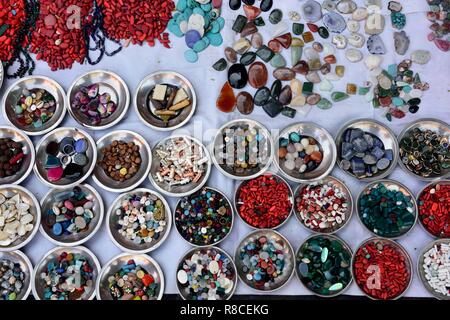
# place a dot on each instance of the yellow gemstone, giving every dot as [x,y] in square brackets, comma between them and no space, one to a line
[340,70]
[123,171]
[351,88]
[140,274]
[307,37]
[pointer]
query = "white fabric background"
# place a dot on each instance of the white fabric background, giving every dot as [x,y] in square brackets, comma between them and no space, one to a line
[134,63]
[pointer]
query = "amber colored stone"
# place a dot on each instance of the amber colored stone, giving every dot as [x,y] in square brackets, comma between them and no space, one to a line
[282,152]
[301,67]
[284,74]
[226,100]
[351,88]
[316,156]
[312,27]
[308,37]
[285,40]
[340,70]
[244,103]
[274,45]
[251,12]
[257,75]
[330,59]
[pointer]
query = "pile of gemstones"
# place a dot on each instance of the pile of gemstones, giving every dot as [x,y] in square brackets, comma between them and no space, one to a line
[121,160]
[16,220]
[440,23]
[12,277]
[434,209]
[34,108]
[12,14]
[12,157]
[436,268]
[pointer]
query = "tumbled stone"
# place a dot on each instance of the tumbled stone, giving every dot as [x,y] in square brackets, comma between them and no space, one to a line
[332,76]
[239,23]
[288,112]
[248,58]
[330,59]
[334,22]
[325,85]
[340,70]
[244,103]
[284,74]
[297,42]
[401,42]
[296,54]
[242,45]
[266,5]
[353,55]
[351,88]
[313,77]
[256,40]
[275,16]
[311,54]
[346,6]
[220,65]
[317,46]
[353,25]
[273,108]
[285,97]
[374,24]
[313,27]
[301,67]
[339,41]
[261,96]
[308,36]
[323,32]
[314,64]
[230,55]
[356,40]
[373,61]
[442,44]
[250,28]
[274,45]
[226,100]
[259,22]
[307,88]
[265,53]
[375,45]
[421,56]
[251,12]
[296,86]
[395,6]
[297,28]
[313,99]
[285,40]
[338,96]
[398,20]
[325,68]
[298,101]
[237,76]
[360,14]
[278,61]
[329,5]
[324,104]
[257,75]
[235,4]
[312,11]
[275,89]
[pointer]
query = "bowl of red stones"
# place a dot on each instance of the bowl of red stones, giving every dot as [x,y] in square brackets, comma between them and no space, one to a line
[306,152]
[382,269]
[130,277]
[98,99]
[165,100]
[34,104]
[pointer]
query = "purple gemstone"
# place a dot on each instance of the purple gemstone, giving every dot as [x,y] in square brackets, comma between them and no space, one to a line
[191,37]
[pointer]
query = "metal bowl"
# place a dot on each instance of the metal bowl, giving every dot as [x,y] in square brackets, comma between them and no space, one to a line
[421,271]
[108,82]
[126,244]
[38,286]
[2,73]
[394,244]
[26,266]
[298,260]
[287,250]
[108,183]
[338,184]
[11,96]
[142,104]
[237,201]
[10,190]
[386,135]
[328,149]
[116,263]
[188,255]
[28,150]
[266,153]
[180,190]
[74,239]
[438,126]
[57,135]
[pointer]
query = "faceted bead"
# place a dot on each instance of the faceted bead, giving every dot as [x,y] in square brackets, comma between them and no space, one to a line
[244,103]
[257,75]
[226,100]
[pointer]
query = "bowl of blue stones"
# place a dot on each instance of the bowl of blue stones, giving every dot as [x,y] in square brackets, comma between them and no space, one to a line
[367,149]
[15,275]
[71,216]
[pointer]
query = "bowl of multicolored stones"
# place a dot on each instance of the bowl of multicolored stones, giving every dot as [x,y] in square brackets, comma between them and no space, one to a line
[242,149]
[306,152]
[387,208]
[17,155]
[98,99]
[20,216]
[425,149]
[165,100]
[206,273]
[66,273]
[434,269]
[71,216]
[265,260]
[139,221]
[34,104]
[15,275]
[367,149]
[181,166]
[323,265]
[130,277]
[123,162]
[324,206]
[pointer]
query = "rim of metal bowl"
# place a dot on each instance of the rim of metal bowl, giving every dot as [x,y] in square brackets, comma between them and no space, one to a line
[191,88]
[125,254]
[144,174]
[291,197]
[101,214]
[345,245]
[261,128]
[402,186]
[62,104]
[400,248]
[2,74]
[207,172]
[402,134]
[85,251]
[395,150]
[232,218]
[333,151]
[37,218]
[30,146]
[168,221]
[112,123]
[421,272]
[191,251]
[22,257]
[287,244]
[349,201]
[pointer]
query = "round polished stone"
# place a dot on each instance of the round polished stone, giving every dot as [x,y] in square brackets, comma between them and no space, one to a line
[275,16]
[237,76]
[258,75]
[244,103]
[261,96]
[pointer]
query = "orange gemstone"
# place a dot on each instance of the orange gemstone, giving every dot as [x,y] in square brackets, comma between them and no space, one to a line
[226,100]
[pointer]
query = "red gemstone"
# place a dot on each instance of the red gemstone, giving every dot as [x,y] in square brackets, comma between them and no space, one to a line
[285,40]
[251,12]
[258,75]
[275,46]
[312,27]
[226,100]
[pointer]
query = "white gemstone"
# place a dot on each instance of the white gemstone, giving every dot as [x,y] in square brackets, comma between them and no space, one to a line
[353,25]
[359,14]
[339,41]
[373,61]
[353,55]
[357,40]
[374,24]
[326,85]
[421,56]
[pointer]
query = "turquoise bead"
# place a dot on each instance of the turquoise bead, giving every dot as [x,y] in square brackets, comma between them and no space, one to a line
[398,101]
[191,56]
[215,27]
[181,5]
[215,39]
[199,46]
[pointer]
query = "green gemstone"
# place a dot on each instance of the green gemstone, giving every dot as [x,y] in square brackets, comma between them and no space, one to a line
[278,61]
[259,22]
[297,28]
[324,104]
[307,88]
[338,96]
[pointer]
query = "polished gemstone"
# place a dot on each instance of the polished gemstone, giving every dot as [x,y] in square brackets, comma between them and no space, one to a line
[330,59]
[312,27]
[338,96]
[420,56]
[265,53]
[235,4]
[266,5]
[275,16]
[239,23]
[275,46]
[312,11]
[278,61]
[334,22]
[248,58]
[257,40]
[401,42]
[261,96]
[285,40]
[301,67]
[297,28]
[220,65]
[257,75]
[242,45]
[346,6]
[275,90]
[324,104]
[285,97]
[230,55]
[374,24]
[273,108]
[313,77]
[296,54]
[250,28]
[289,112]
[251,12]
[308,36]
[375,45]
[323,32]
[237,76]
[244,103]
[313,99]
[226,100]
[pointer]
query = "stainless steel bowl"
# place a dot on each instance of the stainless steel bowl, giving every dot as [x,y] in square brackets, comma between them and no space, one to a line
[287,251]
[38,285]
[265,152]
[338,184]
[328,150]
[126,244]
[74,239]
[57,135]
[142,104]
[180,190]
[108,82]
[28,150]
[10,190]
[116,263]
[26,266]
[435,125]
[109,184]
[2,73]
[12,95]
[386,135]
[190,253]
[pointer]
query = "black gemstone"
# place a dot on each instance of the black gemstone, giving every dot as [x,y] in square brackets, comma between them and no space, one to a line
[413,109]
[273,108]
[290,113]
[249,2]
[261,96]
[265,53]
[248,58]
[239,23]
[414,102]
[275,90]
[220,65]
[235,4]
[266,5]
[237,76]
